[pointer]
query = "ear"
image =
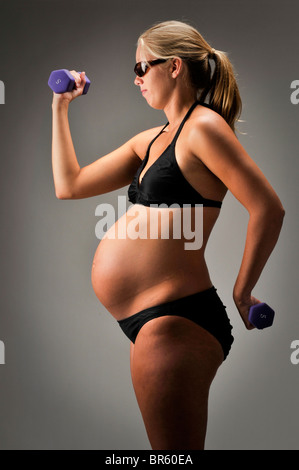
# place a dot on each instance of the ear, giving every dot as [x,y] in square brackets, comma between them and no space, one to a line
[177,65]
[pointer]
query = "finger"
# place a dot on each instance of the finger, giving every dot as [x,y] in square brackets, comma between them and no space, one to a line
[77,78]
[244,316]
[83,79]
[249,326]
[254,301]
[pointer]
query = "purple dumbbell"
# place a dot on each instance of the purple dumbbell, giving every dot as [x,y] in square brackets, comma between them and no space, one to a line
[261,315]
[62,80]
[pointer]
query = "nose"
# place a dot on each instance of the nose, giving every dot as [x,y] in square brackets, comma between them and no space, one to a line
[138,80]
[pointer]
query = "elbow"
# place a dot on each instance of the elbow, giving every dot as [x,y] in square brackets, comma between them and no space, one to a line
[271,212]
[282,214]
[275,214]
[279,212]
[62,197]
[65,188]
[278,219]
[62,194]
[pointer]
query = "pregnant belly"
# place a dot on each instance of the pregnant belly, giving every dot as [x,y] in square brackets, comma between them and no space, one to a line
[130,274]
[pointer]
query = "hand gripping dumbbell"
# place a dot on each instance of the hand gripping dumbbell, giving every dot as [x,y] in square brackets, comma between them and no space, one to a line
[61,81]
[261,315]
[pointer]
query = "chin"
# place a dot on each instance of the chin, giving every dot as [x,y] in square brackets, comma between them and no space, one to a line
[155,104]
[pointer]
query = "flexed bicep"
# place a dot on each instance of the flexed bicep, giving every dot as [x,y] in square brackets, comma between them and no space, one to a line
[114,170]
[108,173]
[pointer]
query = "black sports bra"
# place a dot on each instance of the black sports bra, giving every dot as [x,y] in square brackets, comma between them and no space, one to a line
[164,181]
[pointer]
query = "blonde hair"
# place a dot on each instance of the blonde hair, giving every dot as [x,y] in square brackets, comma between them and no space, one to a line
[176,39]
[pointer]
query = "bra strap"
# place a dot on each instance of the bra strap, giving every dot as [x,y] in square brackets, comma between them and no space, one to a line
[177,133]
[184,120]
[151,143]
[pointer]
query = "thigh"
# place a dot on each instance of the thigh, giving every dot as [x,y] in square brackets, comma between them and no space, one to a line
[173,363]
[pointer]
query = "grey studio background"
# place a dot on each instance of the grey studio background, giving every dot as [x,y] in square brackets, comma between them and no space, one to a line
[66,380]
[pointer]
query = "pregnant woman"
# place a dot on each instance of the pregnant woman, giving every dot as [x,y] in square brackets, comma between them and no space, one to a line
[160,292]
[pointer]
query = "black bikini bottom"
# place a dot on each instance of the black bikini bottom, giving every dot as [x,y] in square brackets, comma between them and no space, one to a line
[203,308]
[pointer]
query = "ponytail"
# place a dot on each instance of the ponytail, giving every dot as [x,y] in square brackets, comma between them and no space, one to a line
[222,88]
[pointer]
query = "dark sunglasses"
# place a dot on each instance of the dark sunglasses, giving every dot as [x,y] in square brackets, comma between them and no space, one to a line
[141,68]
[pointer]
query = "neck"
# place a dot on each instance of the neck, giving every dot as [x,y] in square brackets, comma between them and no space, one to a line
[176,108]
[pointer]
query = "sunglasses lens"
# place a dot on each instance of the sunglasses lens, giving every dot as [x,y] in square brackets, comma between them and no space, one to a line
[140,69]
[144,67]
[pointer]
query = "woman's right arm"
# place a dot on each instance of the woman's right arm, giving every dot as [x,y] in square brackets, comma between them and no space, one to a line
[106,174]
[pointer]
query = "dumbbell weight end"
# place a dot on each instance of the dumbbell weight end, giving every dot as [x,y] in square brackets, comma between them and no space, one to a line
[261,315]
[61,81]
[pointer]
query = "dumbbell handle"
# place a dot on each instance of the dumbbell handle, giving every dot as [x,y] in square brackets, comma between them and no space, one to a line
[261,315]
[61,81]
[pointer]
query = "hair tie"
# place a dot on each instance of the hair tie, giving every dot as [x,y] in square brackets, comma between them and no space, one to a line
[212,53]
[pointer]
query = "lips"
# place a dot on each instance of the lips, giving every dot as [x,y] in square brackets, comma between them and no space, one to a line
[143,91]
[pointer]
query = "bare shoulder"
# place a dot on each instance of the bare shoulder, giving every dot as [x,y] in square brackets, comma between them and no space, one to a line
[206,121]
[141,141]
[215,144]
[210,136]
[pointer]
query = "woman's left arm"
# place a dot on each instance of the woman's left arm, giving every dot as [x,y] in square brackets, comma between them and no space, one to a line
[213,141]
